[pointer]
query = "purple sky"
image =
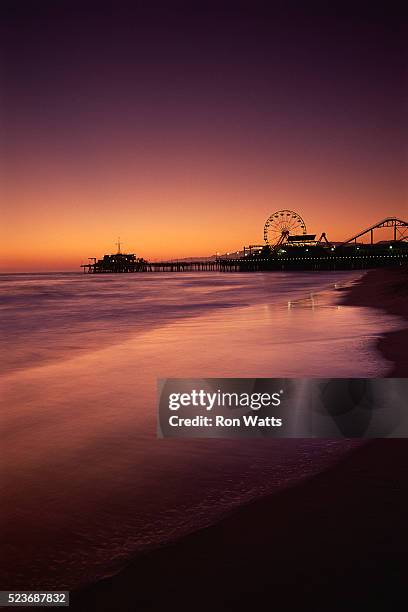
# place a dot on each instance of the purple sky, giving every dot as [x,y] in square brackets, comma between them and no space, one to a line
[182,126]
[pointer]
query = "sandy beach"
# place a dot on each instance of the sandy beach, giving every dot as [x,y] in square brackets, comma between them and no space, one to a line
[336,541]
[386,289]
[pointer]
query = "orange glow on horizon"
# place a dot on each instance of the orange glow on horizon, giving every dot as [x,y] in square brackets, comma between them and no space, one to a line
[194,204]
[52,246]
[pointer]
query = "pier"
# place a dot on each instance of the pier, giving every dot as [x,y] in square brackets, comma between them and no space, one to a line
[288,251]
[257,264]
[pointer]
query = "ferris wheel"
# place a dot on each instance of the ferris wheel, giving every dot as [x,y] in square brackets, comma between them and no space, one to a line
[283,223]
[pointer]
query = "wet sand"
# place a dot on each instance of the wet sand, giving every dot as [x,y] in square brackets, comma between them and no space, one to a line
[386,289]
[336,541]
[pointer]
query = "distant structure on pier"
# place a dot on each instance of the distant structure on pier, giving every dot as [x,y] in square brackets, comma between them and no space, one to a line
[118,262]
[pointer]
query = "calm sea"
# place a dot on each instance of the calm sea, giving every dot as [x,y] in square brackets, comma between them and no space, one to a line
[85,484]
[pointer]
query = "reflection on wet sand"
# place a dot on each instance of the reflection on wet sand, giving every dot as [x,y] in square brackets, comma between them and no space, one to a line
[85,482]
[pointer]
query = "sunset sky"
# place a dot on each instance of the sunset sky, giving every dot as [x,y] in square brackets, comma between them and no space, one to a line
[182,126]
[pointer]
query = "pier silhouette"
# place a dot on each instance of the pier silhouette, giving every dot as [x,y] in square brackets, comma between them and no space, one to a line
[283,251]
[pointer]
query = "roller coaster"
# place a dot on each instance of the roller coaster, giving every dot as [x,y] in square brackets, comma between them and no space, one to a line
[400,230]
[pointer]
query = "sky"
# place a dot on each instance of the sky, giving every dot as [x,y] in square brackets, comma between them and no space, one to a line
[181,127]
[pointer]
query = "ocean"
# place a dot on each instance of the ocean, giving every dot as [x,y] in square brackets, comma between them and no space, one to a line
[85,483]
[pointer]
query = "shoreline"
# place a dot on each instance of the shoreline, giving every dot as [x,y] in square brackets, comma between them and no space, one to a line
[385,289]
[336,541]
[325,543]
